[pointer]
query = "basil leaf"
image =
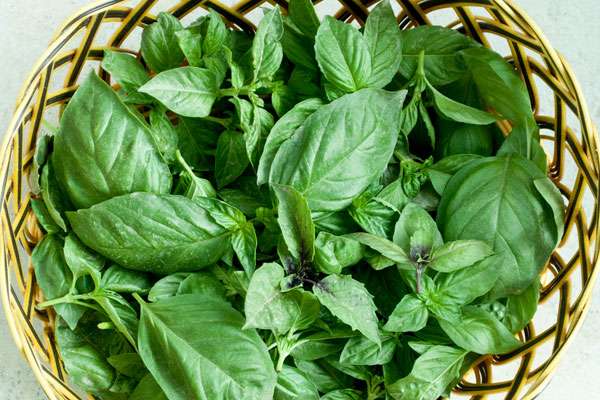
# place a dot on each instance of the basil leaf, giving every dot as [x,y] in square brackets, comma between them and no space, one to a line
[385,247]
[343,55]
[523,235]
[159,43]
[215,33]
[340,149]
[187,91]
[344,394]
[480,332]
[266,307]
[201,283]
[295,47]
[54,276]
[362,351]
[350,301]
[431,375]
[86,365]
[334,253]
[267,52]
[148,389]
[256,123]
[43,217]
[443,63]
[292,384]
[121,280]
[231,158]
[128,364]
[521,308]
[441,172]
[325,377]
[554,199]
[183,234]
[197,141]
[383,39]
[167,287]
[296,223]
[283,129]
[455,111]
[81,260]
[191,45]
[302,13]
[415,220]
[120,313]
[459,254]
[101,136]
[244,244]
[192,331]
[128,71]
[465,285]
[164,134]
[410,315]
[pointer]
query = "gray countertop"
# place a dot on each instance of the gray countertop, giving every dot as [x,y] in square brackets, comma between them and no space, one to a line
[572,27]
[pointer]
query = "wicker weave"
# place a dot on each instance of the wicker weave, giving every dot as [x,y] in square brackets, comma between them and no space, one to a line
[568,137]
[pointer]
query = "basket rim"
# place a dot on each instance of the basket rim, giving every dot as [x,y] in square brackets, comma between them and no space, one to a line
[71,25]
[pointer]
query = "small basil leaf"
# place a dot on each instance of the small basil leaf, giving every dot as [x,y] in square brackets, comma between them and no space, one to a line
[167,287]
[164,134]
[334,253]
[201,283]
[410,315]
[121,280]
[362,351]
[302,13]
[81,260]
[521,308]
[441,172]
[159,43]
[385,247]
[325,377]
[231,158]
[292,384]
[148,389]
[267,52]
[459,254]
[413,219]
[459,112]
[127,70]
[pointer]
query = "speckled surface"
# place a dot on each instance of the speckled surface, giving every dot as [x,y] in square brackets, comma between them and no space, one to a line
[571,26]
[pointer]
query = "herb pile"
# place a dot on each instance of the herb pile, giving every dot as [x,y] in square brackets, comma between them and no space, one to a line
[313,211]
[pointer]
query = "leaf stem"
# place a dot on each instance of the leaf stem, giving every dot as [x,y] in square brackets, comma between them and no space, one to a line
[230,92]
[69,298]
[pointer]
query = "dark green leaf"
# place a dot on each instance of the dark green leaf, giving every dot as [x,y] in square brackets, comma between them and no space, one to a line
[362,351]
[231,158]
[292,384]
[334,253]
[159,43]
[296,223]
[521,308]
[121,280]
[148,389]
[459,254]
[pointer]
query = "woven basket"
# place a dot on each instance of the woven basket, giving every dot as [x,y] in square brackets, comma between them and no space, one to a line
[562,114]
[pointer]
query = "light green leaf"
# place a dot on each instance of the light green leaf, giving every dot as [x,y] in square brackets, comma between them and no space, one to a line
[244,244]
[410,315]
[292,384]
[362,351]
[414,220]
[121,280]
[267,52]
[191,45]
[167,287]
[159,43]
[459,254]
[302,13]
[334,253]
[81,260]
[455,111]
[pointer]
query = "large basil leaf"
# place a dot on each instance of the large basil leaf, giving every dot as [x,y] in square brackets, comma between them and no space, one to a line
[443,63]
[340,149]
[383,39]
[295,221]
[431,375]
[54,276]
[187,91]
[104,150]
[159,43]
[351,302]
[507,212]
[153,233]
[480,332]
[343,55]
[283,129]
[191,332]
[459,254]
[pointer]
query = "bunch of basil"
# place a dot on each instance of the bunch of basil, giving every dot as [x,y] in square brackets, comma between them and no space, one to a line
[310,212]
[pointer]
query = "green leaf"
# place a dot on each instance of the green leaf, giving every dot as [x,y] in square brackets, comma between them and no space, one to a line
[334,253]
[292,384]
[302,13]
[295,48]
[156,233]
[120,313]
[187,91]
[431,375]
[191,331]
[127,70]
[553,198]
[322,344]
[410,315]
[215,35]
[507,212]
[231,158]
[190,185]
[441,172]
[42,214]
[197,141]
[383,39]
[414,220]
[244,244]
[81,260]
[385,247]
[191,45]
[101,136]
[256,123]
[521,308]
[167,286]
[362,351]
[86,365]
[121,280]
[54,276]
[465,285]
[159,43]
[323,375]
[455,111]
[443,63]
[267,307]
[296,223]
[343,394]
[267,52]
[480,332]
[164,133]
[201,283]
[283,130]
[148,389]
[340,149]
[351,302]
[128,364]
[459,254]
[343,55]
